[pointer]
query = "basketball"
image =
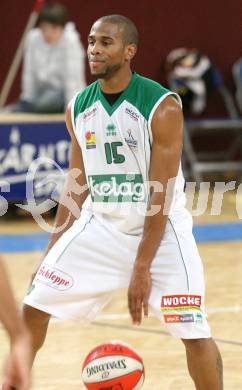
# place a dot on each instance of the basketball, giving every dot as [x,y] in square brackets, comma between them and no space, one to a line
[113,366]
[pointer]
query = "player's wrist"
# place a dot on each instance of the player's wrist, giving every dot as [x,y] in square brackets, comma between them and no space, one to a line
[142,264]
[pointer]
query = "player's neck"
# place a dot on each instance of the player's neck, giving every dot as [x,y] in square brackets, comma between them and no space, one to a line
[116,83]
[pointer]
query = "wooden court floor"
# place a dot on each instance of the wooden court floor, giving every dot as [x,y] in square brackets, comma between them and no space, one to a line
[58,365]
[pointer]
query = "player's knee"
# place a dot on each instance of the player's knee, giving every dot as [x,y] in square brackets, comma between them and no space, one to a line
[33,316]
[197,346]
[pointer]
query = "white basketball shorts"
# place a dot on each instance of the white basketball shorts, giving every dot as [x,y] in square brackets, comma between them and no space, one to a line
[92,260]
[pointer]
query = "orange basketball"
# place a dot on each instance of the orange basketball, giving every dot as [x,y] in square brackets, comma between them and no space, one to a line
[113,366]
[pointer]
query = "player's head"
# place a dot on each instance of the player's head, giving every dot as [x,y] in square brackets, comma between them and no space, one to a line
[112,43]
[52,20]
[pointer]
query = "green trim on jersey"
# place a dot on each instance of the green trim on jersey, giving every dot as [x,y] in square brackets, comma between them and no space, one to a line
[145,95]
[141,92]
[86,99]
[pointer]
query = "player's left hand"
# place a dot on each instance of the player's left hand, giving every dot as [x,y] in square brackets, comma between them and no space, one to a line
[138,293]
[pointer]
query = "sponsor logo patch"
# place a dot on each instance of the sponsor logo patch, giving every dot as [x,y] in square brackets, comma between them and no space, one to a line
[130,140]
[132,114]
[89,113]
[117,188]
[54,278]
[199,318]
[90,137]
[175,318]
[180,302]
[111,130]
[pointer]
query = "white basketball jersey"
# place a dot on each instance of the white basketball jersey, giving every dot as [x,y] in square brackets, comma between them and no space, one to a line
[116,143]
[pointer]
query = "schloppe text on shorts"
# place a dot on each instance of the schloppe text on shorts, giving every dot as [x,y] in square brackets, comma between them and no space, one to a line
[54,278]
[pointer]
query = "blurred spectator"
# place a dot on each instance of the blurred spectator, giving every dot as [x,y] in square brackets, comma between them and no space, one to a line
[54,58]
[191,75]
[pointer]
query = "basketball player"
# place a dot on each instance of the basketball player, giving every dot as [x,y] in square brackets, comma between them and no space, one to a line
[17,369]
[126,133]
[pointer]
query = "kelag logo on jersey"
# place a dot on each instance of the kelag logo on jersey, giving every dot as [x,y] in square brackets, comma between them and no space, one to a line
[90,140]
[117,188]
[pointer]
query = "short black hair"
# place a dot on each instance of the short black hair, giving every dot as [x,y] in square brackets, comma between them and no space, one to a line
[53,13]
[131,34]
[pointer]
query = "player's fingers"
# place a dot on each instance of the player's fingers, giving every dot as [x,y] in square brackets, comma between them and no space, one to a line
[129,302]
[135,307]
[138,311]
[131,305]
[146,308]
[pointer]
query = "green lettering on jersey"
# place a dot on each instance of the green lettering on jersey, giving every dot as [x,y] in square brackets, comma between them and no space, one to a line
[108,153]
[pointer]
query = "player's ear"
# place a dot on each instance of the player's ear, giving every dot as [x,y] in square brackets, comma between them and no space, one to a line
[131,50]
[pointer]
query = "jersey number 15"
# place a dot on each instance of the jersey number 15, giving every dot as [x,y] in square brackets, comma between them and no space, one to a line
[111,152]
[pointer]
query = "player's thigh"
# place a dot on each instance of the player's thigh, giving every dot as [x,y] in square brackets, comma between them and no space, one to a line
[177,296]
[77,277]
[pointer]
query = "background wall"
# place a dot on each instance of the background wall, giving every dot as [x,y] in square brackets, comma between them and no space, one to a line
[213,26]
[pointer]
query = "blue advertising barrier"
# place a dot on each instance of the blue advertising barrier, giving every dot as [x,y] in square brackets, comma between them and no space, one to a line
[32,149]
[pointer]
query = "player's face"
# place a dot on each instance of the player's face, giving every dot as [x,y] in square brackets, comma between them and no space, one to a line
[106,51]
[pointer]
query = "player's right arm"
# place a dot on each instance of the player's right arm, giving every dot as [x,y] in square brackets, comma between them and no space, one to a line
[70,202]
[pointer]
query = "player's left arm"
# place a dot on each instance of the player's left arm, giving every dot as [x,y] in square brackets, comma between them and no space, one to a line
[166,125]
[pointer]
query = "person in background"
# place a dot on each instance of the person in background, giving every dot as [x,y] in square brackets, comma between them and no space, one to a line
[17,368]
[54,63]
